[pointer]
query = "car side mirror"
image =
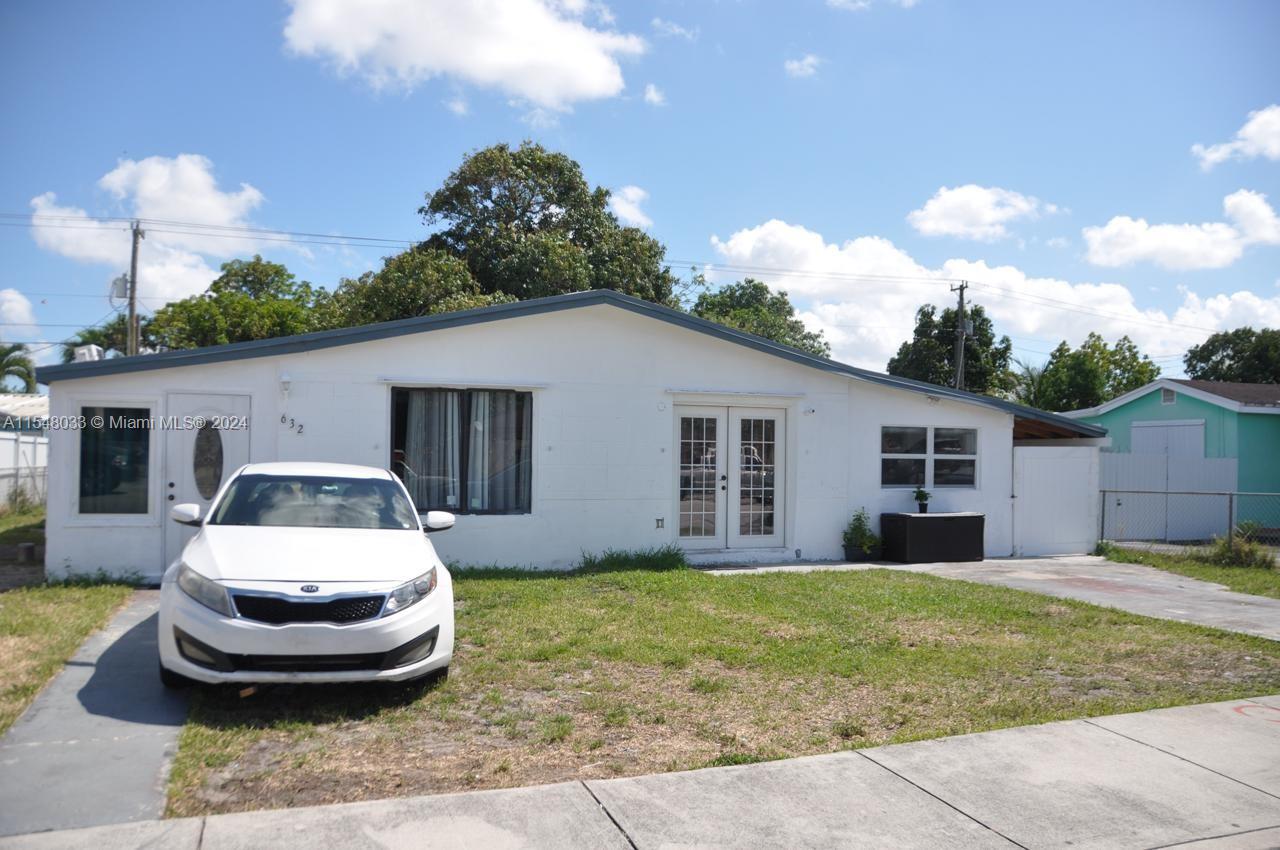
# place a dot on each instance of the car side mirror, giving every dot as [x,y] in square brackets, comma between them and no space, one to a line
[437,521]
[185,514]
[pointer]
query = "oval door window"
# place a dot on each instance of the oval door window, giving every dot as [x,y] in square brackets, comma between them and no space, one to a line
[207,460]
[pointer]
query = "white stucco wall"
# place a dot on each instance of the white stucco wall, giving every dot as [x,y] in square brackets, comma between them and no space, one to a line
[605,384]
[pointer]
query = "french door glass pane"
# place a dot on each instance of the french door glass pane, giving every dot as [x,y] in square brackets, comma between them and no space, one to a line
[114,460]
[757,469]
[698,480]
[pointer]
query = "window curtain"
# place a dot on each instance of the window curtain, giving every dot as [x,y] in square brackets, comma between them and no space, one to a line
[498,462]
[432,448]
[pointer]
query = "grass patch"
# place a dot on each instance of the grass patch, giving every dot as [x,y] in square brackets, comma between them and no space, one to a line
[22,526]
[40,628]
[1259,581]
[614,672]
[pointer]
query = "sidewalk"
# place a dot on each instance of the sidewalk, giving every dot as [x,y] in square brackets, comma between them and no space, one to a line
[102,733]
[1204,776]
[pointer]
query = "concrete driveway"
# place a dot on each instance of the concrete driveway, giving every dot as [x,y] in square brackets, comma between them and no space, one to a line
[1088,578]
[95,746]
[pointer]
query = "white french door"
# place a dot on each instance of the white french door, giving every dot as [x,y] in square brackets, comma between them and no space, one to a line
[730,477]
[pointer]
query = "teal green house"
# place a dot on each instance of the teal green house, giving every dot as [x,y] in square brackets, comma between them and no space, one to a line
[1186,419]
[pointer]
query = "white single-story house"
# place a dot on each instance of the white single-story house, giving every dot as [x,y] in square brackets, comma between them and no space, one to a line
[554,427]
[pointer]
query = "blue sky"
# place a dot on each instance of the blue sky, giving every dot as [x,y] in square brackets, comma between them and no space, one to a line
[858,154]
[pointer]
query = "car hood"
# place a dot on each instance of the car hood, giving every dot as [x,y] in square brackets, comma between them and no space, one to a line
[258,553]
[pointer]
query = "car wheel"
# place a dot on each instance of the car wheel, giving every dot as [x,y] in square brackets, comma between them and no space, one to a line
[173,680]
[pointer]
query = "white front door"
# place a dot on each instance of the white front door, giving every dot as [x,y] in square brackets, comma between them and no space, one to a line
[198,457]
[730,477]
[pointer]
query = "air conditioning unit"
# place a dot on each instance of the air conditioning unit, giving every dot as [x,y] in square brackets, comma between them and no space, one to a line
[88,353]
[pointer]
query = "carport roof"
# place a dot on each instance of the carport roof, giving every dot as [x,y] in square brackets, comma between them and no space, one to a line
[1029,421]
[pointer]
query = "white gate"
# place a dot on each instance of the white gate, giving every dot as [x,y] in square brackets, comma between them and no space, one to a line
[1055,504]
[1155,504]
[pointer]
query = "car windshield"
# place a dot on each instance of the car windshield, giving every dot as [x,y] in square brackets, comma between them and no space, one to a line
[314,502]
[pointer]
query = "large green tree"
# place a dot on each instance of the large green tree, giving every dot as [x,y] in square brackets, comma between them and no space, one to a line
[16,363]
[1094,373]
[751,306]
[527,224]
[418,282]
[251,299]
[1243,355]
[930,353]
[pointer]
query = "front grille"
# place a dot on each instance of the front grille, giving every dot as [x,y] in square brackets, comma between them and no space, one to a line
[307,663]
[204,655]
[270,609]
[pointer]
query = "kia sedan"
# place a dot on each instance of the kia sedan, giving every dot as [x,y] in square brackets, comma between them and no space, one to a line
[307,572]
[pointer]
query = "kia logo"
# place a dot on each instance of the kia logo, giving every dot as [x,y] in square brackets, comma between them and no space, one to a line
[310,588]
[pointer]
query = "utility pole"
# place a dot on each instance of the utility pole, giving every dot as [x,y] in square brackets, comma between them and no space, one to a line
[961,333]
[131,346]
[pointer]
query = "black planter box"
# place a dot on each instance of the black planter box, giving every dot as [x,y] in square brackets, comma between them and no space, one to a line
[924,538]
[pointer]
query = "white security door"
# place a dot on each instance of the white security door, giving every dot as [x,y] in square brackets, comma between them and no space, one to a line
[199,455]
[755,477]
[702,476]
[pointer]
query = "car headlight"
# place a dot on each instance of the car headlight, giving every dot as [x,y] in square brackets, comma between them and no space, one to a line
[208,593]
[410,592]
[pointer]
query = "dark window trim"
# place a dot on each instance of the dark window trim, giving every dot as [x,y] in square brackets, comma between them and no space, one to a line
[399,425]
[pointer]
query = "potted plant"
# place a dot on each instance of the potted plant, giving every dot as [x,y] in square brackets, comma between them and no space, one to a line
[922,497]
[860,542]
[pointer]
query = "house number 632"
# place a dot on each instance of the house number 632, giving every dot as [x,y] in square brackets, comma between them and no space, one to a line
[288,421]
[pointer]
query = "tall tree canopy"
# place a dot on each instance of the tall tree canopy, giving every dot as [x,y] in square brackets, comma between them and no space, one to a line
[1094,373]
[1244,355]
[251,299]
[527,224]
[16,363]
[418,282]
[930,353]
[750,306]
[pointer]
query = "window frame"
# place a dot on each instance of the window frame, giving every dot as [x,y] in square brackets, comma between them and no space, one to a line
[1168,396]
[930,455]
[464,442]
[147,406]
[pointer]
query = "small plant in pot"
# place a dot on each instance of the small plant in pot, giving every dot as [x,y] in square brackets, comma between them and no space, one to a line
[860,542]
[922,497]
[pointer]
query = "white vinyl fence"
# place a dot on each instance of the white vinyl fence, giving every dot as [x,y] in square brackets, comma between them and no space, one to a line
[24,464]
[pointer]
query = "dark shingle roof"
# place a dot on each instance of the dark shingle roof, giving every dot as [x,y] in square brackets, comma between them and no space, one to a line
[1250,395]
[535,306]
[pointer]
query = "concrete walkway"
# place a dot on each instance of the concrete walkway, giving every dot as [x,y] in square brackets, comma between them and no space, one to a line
[1129,587]
[1203,776]
[95,746]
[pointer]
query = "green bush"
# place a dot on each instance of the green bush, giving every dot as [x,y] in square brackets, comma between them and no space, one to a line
[858,534]
[1239,550]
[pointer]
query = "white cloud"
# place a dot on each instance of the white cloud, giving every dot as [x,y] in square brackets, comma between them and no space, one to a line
[654,96]
[863,294]
[171,265]
[1057,242]
[538,51]
[18,317]
[1123,240]
[671,29]
[457,105]
[805,66]
[850,5]
[1260,136]
[975,212]
[625,203]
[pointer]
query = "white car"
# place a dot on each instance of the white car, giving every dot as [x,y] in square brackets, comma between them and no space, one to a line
[307,572]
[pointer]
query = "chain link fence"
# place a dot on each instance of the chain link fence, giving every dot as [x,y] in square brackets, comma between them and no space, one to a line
[1188,517]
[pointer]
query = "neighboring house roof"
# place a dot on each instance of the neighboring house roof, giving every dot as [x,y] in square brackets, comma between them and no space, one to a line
[1036,423]
[24,405]
[1241,398]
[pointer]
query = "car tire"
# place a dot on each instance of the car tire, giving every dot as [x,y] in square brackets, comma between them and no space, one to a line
[172,680]
[428,680]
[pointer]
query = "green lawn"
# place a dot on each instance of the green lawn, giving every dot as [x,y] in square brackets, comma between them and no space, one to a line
[40,628]
[621,673]
[1259,581]
[22,526]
